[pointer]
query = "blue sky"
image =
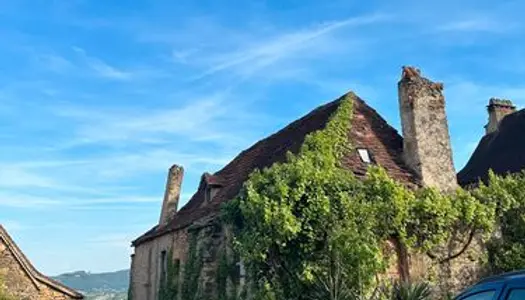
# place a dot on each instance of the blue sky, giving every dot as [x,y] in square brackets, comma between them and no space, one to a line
[99,98]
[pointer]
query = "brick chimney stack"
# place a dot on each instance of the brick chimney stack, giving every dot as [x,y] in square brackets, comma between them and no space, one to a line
[426,140]
[498,109]
[172,194]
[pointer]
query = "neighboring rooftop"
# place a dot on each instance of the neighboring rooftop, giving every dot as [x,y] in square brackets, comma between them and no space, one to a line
[33,274]
[502,150]
[369,131]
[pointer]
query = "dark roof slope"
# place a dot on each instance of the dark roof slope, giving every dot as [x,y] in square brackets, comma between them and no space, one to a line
[503,151]
[368,131]
[31,271]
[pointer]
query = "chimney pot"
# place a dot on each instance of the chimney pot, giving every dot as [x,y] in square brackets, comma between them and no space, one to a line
[498,109]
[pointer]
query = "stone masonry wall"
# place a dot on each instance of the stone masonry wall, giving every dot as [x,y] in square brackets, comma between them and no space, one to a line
[454,275]
[18,283]
[426,137]
[146,263]
[145,274]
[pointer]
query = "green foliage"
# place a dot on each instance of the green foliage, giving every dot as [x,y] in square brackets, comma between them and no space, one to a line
[187,285]
[296,218]
[192,269]
[169,286]
[309,229]
[411,291]
[506,250]
[227,276]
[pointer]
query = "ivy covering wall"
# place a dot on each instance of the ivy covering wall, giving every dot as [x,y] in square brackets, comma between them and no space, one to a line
[184,285]
[309,229]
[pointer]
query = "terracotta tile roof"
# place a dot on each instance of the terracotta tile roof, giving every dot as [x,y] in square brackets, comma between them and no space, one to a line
[30,270]
[503,151]
[368,131]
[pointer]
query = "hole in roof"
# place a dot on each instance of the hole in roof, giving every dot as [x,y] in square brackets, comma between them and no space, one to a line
[364,155]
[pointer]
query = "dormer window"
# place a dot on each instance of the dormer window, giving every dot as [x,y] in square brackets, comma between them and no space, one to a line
[212,185]
[364,155]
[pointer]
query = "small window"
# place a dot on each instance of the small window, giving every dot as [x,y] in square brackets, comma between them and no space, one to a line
[485,295]
[163,265]
[516,294]
[365,155]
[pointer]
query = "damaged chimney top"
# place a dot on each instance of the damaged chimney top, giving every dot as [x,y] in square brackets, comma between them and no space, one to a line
[426,140]
[172,194]
[498,109]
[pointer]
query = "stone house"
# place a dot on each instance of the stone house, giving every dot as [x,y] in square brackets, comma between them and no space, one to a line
[22,280]
[421,157]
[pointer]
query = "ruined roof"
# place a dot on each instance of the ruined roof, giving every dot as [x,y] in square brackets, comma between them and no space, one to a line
[503,151]
[368,130]
[30,270]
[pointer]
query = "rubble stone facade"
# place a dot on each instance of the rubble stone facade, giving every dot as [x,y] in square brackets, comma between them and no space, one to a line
[426,137]
[22,281]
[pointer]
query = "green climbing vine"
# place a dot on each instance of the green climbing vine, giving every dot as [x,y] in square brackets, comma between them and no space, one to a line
[192,268]
[227,276]
[309,229]
[169,286]
[173,285]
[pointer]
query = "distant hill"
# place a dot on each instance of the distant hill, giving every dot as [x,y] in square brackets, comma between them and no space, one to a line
[98,286]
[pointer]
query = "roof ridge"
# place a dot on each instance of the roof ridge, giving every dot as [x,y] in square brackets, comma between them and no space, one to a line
[287,127]
[33,273]
[368,128]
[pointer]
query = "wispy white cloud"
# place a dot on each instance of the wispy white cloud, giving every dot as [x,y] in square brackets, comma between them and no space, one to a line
[54,62]
[13,225]
[481,24]
[206,118]
[470,97]
[17,200]
[102,68]
[108,71]
[253,57]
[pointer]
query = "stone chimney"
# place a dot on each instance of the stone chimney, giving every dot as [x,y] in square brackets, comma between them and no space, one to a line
[172,194]
[426,140]
[498,109]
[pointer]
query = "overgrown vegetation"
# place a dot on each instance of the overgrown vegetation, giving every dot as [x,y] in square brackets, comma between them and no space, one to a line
[227,276]
[169,286]
[408,291]
[507,249]
[309,229]
[192,269]
[173,285]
